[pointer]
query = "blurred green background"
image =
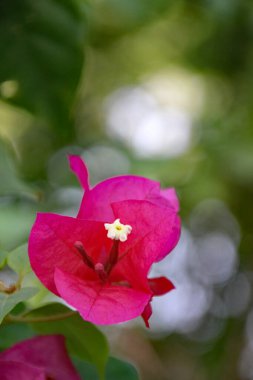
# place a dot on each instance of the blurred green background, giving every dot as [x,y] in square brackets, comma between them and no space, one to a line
[162,89]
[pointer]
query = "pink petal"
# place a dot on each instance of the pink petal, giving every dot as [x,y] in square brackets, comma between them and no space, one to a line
[171,195]
[10,370]
[147,314]
[44,352]
[51,244]
[96,204]
[101,304]
[166,198]
[155,232]
[174,237]
[78,166]
[160,285]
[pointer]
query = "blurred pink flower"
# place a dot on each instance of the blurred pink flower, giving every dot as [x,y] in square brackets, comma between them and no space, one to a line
[99,261]
[40,358]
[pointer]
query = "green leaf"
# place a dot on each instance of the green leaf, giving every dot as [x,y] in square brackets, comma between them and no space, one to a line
[42,297]
[10,184]
[18,260]
[119,369]
[112,17]
[16,220]
[14,333]
[9,301]
[3,258]
[116,369]
[86,370]
[42,55]
[83,338]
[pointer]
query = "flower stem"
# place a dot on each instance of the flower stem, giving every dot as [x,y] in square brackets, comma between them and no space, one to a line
[55,317]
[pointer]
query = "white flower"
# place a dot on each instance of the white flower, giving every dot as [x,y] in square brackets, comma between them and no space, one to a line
[117,230]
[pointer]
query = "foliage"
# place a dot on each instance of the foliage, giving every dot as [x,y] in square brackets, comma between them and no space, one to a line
[47,37]
[9,301]
[61,63]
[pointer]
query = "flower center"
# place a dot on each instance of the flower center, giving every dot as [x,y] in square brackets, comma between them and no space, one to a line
[117,230]
[102,270]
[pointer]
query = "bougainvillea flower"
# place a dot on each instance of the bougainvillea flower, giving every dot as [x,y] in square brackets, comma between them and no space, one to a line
[40,358]
[99,261]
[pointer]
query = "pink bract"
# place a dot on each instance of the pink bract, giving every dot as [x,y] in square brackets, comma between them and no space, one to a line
[106,280]
[40,358]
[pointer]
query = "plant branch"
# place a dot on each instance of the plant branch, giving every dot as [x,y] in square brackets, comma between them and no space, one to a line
[50,318]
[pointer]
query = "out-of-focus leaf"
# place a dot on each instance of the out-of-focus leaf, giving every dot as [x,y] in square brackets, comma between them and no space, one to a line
[119,369]
[14,333]
[10,184]
[113,17]
[9,301]
[18,260]
[42,297]
[83,338]
[15,223]
[116,369]
[86,370]
[3,258]
[42,55]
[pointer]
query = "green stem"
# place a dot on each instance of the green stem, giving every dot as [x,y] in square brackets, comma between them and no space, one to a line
[50,318]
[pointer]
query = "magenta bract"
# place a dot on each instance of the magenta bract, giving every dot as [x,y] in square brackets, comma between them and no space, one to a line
[99,261]
[40,358]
